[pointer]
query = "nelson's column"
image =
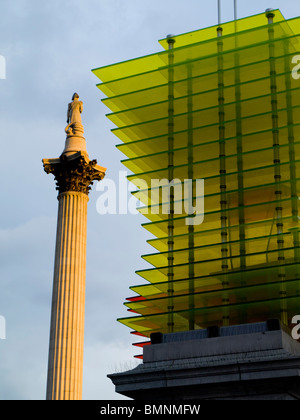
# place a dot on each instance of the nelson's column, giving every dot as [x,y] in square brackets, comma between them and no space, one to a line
[74,173]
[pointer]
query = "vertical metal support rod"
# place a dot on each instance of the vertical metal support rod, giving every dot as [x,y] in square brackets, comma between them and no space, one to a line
[219,12]
[222,171]
[240,167]
[235,9]
[191,179]
[239,150]
[235,15]
[171,42]
[277,175]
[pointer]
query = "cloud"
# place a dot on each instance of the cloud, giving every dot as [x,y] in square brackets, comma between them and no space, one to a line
[26,263]
[101,359]
[50,49]
[26,272]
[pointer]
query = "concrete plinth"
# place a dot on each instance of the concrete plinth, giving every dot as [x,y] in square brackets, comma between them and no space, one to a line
[263,364]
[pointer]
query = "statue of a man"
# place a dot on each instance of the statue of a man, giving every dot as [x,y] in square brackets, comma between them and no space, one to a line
[74,110]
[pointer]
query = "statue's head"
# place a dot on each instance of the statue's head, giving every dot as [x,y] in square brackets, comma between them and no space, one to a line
[75,96]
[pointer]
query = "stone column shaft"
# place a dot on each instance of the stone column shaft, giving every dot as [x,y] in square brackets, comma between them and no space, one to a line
[74,174]
[68,299]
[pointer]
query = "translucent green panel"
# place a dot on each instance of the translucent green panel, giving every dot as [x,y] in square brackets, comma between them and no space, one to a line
[209,153]
[158,199]
[213,267]
[251,141]
[249,73]
[258,205]
[254,176]
[228,28]
[204,317]
[151,71]
[250,106]
[214,297]
[136,98]
[144,80]
[252,276]
[226,110]
[202,237]
[160,229]
[253,213]
[157,202]
[266,245]
[129,68]
[207,120]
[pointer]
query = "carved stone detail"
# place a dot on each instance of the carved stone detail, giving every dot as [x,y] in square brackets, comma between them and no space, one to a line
[74,173]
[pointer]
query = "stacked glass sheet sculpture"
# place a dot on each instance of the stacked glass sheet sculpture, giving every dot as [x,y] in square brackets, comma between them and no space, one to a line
[222,105]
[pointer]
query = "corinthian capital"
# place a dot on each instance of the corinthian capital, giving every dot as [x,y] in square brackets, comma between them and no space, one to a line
[74,173]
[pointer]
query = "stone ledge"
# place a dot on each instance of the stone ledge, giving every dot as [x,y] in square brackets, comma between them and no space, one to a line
[217,346]
[262,365]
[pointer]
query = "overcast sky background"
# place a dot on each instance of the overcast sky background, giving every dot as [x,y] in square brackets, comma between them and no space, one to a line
[50,49]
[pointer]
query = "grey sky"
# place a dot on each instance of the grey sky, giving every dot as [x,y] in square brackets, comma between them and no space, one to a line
[50,49]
